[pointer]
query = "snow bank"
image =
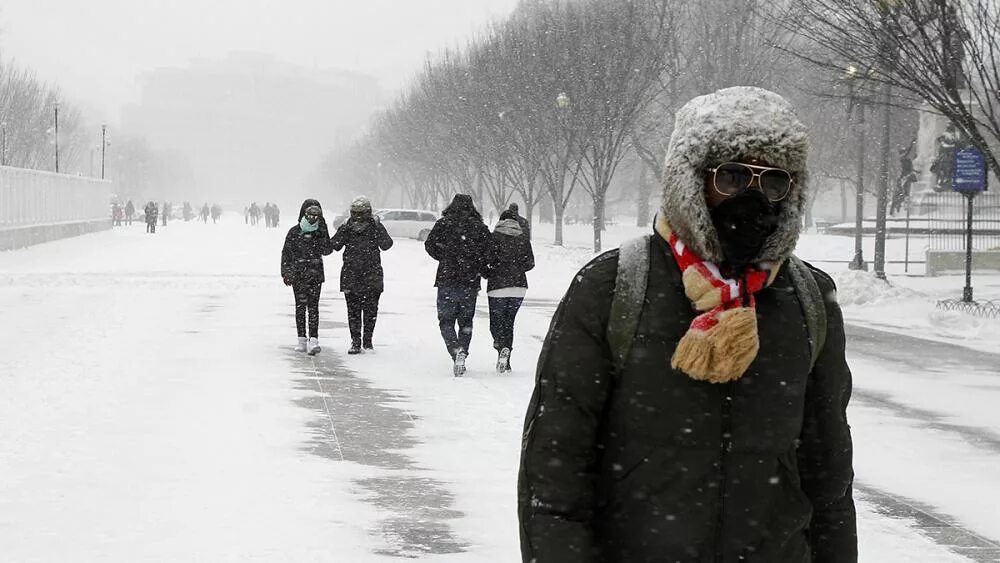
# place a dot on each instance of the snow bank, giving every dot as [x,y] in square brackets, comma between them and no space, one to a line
[863,288]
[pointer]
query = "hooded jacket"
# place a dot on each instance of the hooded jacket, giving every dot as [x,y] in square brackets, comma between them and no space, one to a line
[459,242]
[509,255]
[302,255]
[648,464]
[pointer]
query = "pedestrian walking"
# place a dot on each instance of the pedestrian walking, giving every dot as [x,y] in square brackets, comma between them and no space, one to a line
[508,258]
[116,214]
[458,241]
[205,211]
[691,396]
[302,269]
[166,212]
[151,215]
[129,212]
[216,213]
[363,239]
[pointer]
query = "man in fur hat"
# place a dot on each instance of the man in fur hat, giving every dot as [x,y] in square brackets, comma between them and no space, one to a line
[691,396]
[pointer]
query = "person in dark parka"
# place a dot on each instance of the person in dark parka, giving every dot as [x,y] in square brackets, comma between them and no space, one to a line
[722,436]
[363,238]
[302,268]
[508,258]
[458,242]
[129,212]
[151,212]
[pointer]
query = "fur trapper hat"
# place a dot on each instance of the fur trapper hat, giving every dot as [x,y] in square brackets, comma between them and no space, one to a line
[728,125]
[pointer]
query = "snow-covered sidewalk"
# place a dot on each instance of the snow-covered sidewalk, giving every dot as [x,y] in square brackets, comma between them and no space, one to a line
[152,410]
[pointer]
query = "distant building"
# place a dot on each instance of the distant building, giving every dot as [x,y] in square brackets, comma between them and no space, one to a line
[250,124]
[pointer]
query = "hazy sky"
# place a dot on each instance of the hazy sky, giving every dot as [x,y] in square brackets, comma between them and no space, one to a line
[95,48]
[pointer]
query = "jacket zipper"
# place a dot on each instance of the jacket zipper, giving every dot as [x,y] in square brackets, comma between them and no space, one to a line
[725,446]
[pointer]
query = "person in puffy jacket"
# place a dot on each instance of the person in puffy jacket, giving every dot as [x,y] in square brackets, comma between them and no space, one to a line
[508,258]
[302,269]
[458,242]
[363,238]
[704,420]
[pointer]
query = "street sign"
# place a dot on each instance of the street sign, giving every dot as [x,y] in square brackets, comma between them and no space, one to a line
[969,171]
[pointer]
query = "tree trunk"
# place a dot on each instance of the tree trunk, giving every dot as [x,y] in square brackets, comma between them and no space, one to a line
[546,211]
[559,211]
[645,190]
[843,201]
[599,209]
[529,211]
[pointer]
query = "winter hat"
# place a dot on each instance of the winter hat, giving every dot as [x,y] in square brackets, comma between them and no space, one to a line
[361,204]
[732,124]
[509,227]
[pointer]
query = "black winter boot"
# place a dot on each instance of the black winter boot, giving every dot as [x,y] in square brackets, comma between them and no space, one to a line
[355,347]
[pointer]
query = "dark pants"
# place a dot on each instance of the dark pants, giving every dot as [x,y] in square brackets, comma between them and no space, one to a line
[151,226]
[456,305]
[307,300]
[503,311]
[362,310]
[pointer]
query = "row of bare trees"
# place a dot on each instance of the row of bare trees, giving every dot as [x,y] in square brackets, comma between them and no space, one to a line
[28,123]
[28,138]
[551,103]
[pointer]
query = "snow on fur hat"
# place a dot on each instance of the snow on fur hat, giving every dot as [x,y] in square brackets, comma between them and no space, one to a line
[732,124]
[361,204]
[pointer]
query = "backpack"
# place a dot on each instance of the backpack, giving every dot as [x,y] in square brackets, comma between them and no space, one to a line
[630,295]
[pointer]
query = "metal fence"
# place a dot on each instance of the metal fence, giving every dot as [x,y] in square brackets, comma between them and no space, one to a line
[947,222]
[34,197]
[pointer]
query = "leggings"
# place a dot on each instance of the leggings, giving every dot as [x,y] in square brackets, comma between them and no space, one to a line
[307,301]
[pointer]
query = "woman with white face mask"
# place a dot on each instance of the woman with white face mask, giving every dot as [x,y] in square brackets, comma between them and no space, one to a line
[302,269]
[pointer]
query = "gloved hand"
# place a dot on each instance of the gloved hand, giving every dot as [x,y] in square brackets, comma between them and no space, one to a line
[287,280]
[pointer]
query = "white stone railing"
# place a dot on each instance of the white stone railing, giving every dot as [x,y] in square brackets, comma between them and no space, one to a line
[33,197]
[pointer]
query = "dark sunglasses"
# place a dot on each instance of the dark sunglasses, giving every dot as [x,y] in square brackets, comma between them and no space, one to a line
[733,178]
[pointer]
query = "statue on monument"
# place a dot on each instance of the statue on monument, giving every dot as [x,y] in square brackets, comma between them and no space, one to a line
[907,176]
[944,159]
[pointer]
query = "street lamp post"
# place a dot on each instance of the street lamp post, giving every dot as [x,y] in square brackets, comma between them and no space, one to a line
[858,262]
[57,137]
[3,144]
[104,146]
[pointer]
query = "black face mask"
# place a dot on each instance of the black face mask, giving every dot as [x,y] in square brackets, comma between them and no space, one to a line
[743,223]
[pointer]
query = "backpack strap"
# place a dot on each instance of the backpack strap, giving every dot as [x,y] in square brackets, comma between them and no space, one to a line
[813,305]
[629,297]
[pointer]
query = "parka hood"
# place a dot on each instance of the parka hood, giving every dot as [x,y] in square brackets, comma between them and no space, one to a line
[733,124]
[462,207]
[306,205]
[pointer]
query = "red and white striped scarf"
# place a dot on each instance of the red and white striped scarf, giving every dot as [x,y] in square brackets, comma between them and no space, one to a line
[722,341]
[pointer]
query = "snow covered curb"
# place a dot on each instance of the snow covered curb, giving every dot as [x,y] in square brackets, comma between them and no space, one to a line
[909,306]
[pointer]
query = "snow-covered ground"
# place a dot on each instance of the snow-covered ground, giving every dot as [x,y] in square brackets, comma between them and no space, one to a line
[151,408]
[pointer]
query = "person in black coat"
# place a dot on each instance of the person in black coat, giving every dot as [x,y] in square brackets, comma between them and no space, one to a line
[705,418]
[302,268]
[508,258]
[363,238]
[129,212]
[151,212]
[458,242]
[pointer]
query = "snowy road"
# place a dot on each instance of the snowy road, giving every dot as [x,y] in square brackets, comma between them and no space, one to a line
[152,410]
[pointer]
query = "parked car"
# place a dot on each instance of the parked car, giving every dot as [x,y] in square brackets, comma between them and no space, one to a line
[408,223]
